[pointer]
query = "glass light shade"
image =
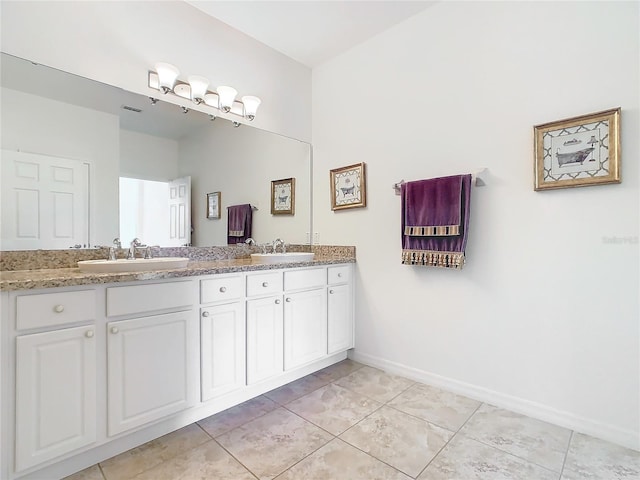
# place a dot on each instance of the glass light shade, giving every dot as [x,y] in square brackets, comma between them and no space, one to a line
[199,87]
[167,76]
[226,96]
[251,105]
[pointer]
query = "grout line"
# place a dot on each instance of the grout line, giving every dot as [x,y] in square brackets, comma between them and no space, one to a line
[101,472]
[566,454]
[236,459]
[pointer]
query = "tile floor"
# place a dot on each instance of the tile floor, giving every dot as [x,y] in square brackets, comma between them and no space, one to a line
[351,421]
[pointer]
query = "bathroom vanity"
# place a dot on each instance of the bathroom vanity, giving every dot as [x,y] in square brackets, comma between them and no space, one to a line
[93,365]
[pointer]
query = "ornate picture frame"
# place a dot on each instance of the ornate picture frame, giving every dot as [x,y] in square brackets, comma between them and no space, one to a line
[283,196]
[348,187]
[213,205]
[578,152]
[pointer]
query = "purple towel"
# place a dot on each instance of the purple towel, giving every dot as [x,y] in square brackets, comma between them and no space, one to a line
[435,220]
[238,223]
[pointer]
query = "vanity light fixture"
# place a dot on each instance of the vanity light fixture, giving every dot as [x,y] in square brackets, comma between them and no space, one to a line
[236,124]
[223,98]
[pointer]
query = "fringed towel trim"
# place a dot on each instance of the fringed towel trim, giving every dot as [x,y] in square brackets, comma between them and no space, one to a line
[236,233]
[433,258]
[433,231]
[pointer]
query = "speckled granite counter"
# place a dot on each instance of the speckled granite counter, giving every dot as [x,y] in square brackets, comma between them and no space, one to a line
[66,277]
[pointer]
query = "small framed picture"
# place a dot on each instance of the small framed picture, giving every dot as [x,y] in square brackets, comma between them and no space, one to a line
[348,187]
[578,152]
[213,205]
[283,196]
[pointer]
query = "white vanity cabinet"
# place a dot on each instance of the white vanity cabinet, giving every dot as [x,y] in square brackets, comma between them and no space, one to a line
[265,326]
[340,308]
[222,336]
[55,394]
[305,317]
[55,375]
[150,358]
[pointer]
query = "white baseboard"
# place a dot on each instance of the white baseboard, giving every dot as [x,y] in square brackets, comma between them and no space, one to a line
[624,437]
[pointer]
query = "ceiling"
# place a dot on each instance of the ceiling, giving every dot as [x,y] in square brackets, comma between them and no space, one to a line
[311,32]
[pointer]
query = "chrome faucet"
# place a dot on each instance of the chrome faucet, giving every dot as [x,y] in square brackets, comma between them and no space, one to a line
[112,250]
[135,243]
[279,241]
[250,241]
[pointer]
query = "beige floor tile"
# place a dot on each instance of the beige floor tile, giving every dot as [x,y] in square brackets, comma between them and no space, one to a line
[375,383]
[131,463]
[593,459]
[239,415]
[296,389]
[338,370]
[208,461]
[466,459]
[91,473]
[270,444]
[400,440]
[434,405]
[525,437]
[333,408]
[339,460]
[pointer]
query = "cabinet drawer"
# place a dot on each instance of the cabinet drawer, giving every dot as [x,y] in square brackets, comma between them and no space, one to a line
[219,289]
[50,309]
[264,283]
[339,274]
[148,298]
[299,279]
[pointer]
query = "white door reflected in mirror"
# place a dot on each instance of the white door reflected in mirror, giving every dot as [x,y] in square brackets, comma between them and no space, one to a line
[159,213]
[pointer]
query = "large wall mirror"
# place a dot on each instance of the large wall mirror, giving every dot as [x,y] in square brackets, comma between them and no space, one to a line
[84,162]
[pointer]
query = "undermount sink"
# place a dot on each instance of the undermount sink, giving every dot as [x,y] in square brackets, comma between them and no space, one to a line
[136,265]
[281,257]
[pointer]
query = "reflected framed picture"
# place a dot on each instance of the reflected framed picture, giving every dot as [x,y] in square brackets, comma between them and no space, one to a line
[283,196]
[348,187]
[213,205]
[578,152]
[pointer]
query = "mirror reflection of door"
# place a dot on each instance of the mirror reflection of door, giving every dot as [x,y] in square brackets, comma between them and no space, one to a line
[44,202]
[158,213]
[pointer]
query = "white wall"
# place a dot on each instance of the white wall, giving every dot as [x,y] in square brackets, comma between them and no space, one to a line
[117,42]
[39,125]
[215,154]
[544,318]
[148,157]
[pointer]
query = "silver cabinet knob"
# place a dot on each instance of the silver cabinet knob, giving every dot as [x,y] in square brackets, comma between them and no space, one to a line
[58,308]
[114,330]
[205,314]
[287,299]
[339,275]
[89,334]
[277,301]
[265,284]
[223,289]
[331,292]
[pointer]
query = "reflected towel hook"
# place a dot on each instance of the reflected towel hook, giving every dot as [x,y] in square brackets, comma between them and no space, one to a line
[477,179]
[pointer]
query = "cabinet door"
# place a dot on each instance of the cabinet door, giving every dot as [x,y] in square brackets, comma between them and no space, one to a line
[264,338]
[149,364]
[305,327]
[222,349]
[55,394]
[340,319]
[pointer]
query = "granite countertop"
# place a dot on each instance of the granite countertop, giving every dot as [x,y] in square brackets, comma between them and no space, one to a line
[67,277]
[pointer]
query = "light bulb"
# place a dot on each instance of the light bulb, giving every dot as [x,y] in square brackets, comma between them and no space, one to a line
[226,96]
[167,76]
[251,105]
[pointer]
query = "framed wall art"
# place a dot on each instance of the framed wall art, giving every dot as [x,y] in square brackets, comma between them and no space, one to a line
[213,205]
[578,152]
[283,196]
[348,187]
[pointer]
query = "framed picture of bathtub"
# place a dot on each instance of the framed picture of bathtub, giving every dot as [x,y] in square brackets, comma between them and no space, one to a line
[283,196]
[213,205]
[578,152]
[348,187]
